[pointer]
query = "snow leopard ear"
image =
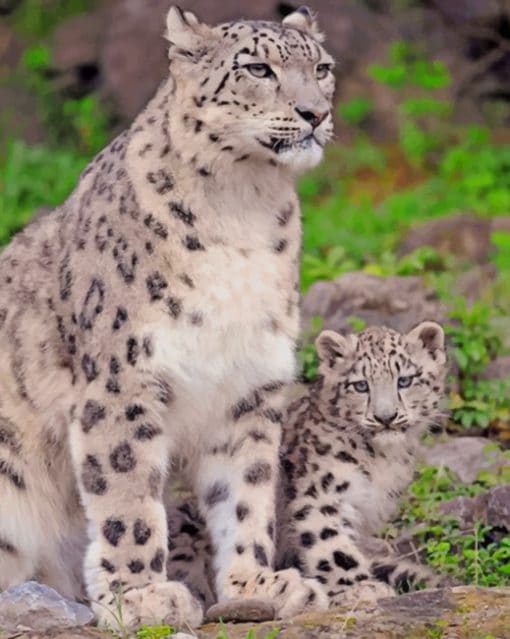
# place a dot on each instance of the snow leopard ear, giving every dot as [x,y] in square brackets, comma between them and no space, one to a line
[427,335]
[305,20]
[189,38]
[332,346]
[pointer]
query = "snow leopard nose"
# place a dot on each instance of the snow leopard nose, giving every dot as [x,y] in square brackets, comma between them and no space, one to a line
[312,117]
[385,418]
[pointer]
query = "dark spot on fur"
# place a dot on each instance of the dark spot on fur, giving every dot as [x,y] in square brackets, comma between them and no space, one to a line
[157,561]
[122,458]
[324,566]
[136,566]
[217,493]
[307,539]
[92,476]
[108,566]
[174,307]
[258,473]
[120,318]
[156,284]
[133,411]
[242,511]
[132,351]
[260,555]
[146,432]
[192,243]
[148,346]
[93,413]
[182,213]
[344,561]
[327,533]
[113,530]
[89,367]
[141,532]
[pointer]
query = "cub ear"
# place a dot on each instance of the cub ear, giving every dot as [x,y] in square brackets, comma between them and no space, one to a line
[189,38]
[304,20]
[428,335]
[330,346]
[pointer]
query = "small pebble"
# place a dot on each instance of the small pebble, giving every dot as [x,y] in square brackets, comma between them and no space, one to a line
[240,610]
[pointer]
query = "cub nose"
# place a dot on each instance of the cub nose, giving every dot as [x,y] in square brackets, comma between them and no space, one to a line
[312,117]
[385,418]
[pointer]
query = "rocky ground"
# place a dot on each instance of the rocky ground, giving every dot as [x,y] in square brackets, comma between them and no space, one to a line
[463,612]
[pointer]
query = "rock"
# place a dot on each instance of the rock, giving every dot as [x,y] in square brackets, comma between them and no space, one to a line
[465,456]
[498,368]
[466,509]
[467,237]
[37,607]
[492,508]
[472,283]
[397,302]
[254,610]
[498,507]
[463,11]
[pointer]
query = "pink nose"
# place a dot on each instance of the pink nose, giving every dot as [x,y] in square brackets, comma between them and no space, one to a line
[312,117]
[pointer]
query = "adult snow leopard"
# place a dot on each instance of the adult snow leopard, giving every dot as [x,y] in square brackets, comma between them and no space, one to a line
[155,313]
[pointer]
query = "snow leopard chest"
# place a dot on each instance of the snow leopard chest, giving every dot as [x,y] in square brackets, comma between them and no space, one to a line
[237,331]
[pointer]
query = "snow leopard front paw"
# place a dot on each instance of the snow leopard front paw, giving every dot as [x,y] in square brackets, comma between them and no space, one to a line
[167,602]
[288,592]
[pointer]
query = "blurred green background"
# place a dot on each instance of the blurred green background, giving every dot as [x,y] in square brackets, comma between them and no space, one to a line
[416,184]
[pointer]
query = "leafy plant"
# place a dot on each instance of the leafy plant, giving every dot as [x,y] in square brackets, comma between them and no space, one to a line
[155,632]
[32,177]
[356,110]
[476,553]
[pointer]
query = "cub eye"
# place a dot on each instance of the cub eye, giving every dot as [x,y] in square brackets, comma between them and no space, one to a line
[260,70]
[322,70]
[405,382]
[361,386]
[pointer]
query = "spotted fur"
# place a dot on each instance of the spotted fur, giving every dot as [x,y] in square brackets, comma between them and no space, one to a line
[154,314]
[349,451]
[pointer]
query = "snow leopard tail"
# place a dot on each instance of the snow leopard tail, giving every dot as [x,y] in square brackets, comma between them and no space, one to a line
[405,575]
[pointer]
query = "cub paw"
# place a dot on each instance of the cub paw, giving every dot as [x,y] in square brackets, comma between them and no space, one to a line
[367,592]
[167,603]
[286,590]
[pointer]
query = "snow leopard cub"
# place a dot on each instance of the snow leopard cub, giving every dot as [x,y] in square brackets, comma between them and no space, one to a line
[349,451]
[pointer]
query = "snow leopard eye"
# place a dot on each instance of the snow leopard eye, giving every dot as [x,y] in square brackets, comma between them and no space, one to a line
[361,386]
[405,382]
[260,70]
[322,71]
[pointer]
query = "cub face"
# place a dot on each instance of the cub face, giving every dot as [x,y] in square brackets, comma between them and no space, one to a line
[382,381]
[263,88]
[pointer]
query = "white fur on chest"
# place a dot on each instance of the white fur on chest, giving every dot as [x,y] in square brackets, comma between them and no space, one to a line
[245,339]
[377,498]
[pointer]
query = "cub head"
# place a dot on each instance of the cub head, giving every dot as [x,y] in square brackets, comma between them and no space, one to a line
[262,89]
[383,382]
